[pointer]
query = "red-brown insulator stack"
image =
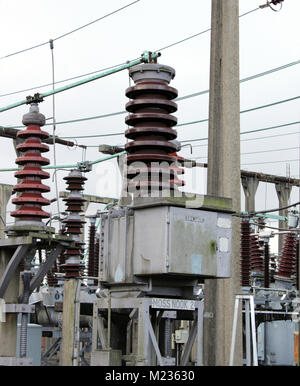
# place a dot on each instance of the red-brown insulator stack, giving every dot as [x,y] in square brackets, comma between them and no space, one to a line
[256,255]
[245,252]
[74,223]
[96,261]
[297,265]
[30,200]
[267,265]
[177,169]
[287,261]
[152,133]
[91,257]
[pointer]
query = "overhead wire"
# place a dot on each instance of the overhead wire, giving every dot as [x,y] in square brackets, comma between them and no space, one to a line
[248,132]
[200,33]
[271,162]
[185,97]
[163,48]
[253,139]
[145,57]
[259,152]
[193,122]
[70,32]
[54,128]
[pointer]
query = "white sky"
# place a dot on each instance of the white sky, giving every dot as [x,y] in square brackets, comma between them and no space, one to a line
[267,40]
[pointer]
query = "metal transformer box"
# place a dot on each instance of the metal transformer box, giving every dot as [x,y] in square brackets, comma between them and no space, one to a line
[165,240]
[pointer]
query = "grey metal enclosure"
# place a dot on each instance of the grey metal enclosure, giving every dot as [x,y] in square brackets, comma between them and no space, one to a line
[165,240]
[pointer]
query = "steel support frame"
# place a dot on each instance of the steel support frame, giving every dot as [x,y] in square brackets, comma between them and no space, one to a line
[146,333]
[15,260]
[250,330]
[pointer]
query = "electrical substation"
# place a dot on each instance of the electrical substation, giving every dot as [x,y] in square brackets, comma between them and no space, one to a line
[164,277]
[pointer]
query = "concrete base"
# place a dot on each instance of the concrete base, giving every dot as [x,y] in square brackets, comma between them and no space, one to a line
[106,358]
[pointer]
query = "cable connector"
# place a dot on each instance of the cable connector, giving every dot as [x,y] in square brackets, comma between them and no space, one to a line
[272,2]
[84,166]
[36,98]
[150,57]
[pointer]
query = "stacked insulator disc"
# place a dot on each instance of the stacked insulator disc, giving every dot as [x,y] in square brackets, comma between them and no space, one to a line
[96,261]
[152,130]
[267,265]
[287,261]
[74,223]
[91,258]
[245,252]
[30,200]
[297,265]
[177,169]
[256,255]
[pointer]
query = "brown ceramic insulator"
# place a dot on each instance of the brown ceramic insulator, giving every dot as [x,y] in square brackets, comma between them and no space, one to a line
[245,253]
[297,265]
[96,261]
[30,188]
[91,256]
[256,255]
[150,115]
[287,260]
[267,277]
[177,170]
[74,223]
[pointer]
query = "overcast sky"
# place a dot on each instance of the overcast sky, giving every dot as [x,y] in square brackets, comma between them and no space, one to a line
[267,40]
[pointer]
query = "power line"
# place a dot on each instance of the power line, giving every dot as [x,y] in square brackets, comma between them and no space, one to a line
[172,44]
[179,125]
[246,132]
[245,111]
[261,151]
[61,81]
[94,21]
[145,58]
[255,138]
[200,33]
[264,162]
[70,32]
[272,162]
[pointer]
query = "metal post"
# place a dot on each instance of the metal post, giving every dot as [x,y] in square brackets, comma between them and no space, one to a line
[200,334]
[248,334]
[233,336]
[254,342]
[223,175]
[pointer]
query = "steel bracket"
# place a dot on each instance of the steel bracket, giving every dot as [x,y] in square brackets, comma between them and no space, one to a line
[11,267]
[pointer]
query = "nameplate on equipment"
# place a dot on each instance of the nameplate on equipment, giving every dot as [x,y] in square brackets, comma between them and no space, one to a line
[173,304]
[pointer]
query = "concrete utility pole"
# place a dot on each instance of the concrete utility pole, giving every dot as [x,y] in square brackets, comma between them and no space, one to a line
[5,194]
[283,191]
[250,185]
[223,176]
[70,325]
